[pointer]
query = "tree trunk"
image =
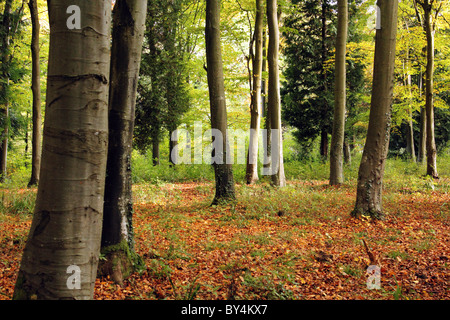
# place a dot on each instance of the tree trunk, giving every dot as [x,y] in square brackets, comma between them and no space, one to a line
[155,152]
[265,109]
[255,106]
[422,150]
[429,87]
[36,89]
[274,103]
[117,234]
[347,152]
[324,144]
[337,138]
[371,170]
[423,136]
[222,169]
[4,102]
[61,255]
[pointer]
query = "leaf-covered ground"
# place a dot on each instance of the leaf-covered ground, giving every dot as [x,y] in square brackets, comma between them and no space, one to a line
[296,243]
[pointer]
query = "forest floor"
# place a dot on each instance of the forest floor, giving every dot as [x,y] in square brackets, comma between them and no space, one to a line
[295,243]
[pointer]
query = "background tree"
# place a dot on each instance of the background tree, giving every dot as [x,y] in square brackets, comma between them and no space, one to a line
[67,221]
[338,135]
[222,170]
[9,28]
[163,93]
[307,91]
[117,232]
[428,17]
[36,88]
[274,100]
[371,170]
[256,56]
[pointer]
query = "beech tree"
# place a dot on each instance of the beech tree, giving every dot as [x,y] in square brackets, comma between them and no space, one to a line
[222,168]
[371,170]
[117,233]
[256,94]
[274,102]
[428,17]
[61,255]
[36,88]
[338,135]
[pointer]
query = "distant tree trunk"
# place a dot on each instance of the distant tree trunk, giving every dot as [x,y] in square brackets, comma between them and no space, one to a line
[429,88]
[324,144]
[223,171]
[324,106]
[36,89]
[347,152]
[422,151]
[155,151]
[423,136]
[4,102]
[266,113]
[371,170]
[62,251]
[274,103]
[338,136]
[117,233]
[255,106]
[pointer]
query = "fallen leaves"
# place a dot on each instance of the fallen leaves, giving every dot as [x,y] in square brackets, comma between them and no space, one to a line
[294,244]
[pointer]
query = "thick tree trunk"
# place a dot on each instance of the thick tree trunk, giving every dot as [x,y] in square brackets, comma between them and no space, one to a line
[429,87]
[36,89]
[117,235]
[338,136]
[222,169]
[371,170]
[255,106]
[274,102]
[61,255]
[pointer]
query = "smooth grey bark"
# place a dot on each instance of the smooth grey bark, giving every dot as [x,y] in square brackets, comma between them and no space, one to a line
[274,101]
[338,135]
[223,172]
[431,10]
[255,105]
[36,89]
[117,233]
[371,170]
[65,233]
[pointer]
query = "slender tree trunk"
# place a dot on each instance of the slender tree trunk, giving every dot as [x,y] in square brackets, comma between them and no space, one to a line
[255,106]
[4,102]
[222,169]
[338,136]
[422,151]
[347,152]
[429,87]
[155,151]
[117,234]
[36,89]
[267,142]
[371,170]
[61,255]
[324,103]
[274,103]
